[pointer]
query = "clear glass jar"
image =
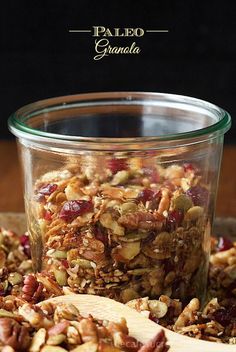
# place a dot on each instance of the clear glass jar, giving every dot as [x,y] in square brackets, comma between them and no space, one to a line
[120,190]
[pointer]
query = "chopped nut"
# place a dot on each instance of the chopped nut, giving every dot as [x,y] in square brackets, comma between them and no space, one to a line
[53,349]
[120,178]
[158,308]
[56,339]
[88,331]
[13,334]
[107,221]
[189,314]
[128,251]
[89,347]
[38,340]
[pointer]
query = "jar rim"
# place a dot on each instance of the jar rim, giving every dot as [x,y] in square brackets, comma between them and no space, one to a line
[17,122]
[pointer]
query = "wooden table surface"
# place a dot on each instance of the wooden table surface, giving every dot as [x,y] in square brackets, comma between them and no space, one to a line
[11,198]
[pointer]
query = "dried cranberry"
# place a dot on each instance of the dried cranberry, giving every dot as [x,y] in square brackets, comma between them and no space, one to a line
[116,165]
[224,244]
[65,263]
[24,241]
[48,215]
[149,195]
[174,219]
[152,174]
[153,318]
[145,195]
[48,189]
[225,316]
[188,167]
[198,194]
[74,208]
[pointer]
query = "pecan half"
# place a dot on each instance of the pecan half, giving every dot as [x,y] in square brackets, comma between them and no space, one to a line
[13,334]
[32,289]
[141,220]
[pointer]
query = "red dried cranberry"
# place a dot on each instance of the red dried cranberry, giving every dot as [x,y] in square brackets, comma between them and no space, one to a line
[153,318]
[224,244]
[149,195]
[145,195]
[116,165]
[174,219]
[198,194]
[188,167]
[65,263]
[74,208]
[48,215]
[225,316]
[101,236]
[24,241]
[48,189]
[152,173]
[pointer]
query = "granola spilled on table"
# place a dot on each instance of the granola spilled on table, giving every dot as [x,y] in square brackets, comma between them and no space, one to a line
[122,228]
[61,328]
[215,322]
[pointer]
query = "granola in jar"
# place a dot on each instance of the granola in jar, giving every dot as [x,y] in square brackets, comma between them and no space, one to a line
[122,227]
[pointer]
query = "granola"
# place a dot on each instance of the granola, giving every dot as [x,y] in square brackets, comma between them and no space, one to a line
[216,321]
[122,228]
[61,328]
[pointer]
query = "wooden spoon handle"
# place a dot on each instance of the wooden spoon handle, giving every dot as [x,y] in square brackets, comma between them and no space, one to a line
[141,328]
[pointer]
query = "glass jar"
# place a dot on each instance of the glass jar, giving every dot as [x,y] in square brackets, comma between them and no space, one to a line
[120,191]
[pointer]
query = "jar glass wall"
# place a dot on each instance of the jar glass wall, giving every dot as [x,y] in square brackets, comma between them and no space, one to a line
[120,191]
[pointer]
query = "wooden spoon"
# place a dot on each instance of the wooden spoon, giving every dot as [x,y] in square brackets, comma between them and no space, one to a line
[143,329]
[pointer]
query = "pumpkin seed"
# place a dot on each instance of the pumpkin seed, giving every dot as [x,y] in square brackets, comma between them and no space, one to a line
[194,213]
[182,202]
[15,278]
[61,277]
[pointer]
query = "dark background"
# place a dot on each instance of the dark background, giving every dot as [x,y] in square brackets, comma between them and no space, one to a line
[41,59]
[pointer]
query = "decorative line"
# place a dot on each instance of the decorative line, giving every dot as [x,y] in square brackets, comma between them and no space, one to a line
[80,30]
[157,30]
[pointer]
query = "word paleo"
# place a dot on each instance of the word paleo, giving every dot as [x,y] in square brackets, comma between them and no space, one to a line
[103,47]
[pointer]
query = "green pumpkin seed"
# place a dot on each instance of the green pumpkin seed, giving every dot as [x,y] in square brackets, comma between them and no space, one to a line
[194,213]
[83,263]
[128,207]
[15,278]
[182,202]
[61,277]
[57,254]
